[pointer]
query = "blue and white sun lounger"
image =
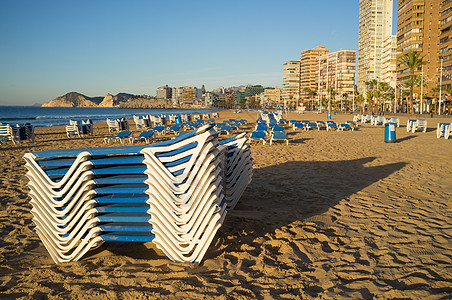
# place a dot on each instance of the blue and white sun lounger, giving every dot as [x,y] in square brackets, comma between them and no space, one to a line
[279,136]
[121,136]
[174,194]
[330,125]
[441,129]
[258,136]
[409,124]
[298,125]
[419,125]
[144,135]
[447,131]
[311,125]
[345,126]
[7,134]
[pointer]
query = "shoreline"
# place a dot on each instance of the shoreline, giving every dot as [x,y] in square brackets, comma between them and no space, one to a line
[333,215]
[59,116]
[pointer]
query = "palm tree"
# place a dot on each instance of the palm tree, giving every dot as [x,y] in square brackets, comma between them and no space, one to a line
[311,94]
[413,61]
[332,93]
[372,93]
[344,97]
[323,102]
[387,92]
[360,99]
[369,100]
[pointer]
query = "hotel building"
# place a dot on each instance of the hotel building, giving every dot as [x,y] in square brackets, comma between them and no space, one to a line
[418,28]
[270,97]
[164,92]
[336,71]
[291,82]
[389,61]
[308,69]
[445,42]
[375,25]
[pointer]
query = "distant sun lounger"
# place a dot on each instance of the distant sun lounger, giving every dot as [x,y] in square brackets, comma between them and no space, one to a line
[258,136]
[121,136]
[144,135]
[279,136]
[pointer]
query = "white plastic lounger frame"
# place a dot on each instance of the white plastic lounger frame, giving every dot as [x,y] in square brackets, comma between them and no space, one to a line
[447,131]
[8,134]
[180,188]
[419,125]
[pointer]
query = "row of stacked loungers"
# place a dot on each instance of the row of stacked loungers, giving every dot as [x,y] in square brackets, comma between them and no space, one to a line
[174,194]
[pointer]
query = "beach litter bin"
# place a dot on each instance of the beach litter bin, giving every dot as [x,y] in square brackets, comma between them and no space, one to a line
[390,132]
[178,120]
[328,116]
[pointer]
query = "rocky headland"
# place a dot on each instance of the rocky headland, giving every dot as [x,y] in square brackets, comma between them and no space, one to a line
[121,100]
[74,99]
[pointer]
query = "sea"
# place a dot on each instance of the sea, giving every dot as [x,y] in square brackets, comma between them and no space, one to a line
[54,116]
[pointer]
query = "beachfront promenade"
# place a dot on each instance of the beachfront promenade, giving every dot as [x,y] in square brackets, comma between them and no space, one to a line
[333,214]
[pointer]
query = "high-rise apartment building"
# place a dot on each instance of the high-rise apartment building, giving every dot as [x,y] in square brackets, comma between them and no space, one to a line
[375,25]
[291,81]
[445,43]
[308,69]
[270,97]
[336,72]
[248,91]
[189,95]
[164,92]
[389,61]
[418,28]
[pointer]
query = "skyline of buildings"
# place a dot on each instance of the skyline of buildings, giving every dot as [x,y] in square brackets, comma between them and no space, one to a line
[422,25]
[321,72]
[189,95]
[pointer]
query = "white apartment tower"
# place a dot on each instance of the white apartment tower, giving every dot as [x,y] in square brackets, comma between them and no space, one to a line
[291,82]
[389,61]
[375,25]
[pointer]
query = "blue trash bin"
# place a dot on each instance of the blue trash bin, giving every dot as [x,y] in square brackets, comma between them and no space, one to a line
[178,120]
[328,116]
[390,133]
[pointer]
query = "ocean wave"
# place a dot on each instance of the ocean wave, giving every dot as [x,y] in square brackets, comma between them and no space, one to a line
[13,119]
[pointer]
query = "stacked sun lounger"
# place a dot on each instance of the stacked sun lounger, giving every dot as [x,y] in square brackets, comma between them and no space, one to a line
[238,168]
[173,194]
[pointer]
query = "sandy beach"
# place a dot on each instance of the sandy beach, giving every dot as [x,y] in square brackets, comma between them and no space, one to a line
[333,215]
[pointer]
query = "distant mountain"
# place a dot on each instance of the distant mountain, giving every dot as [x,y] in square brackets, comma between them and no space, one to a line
[74,99]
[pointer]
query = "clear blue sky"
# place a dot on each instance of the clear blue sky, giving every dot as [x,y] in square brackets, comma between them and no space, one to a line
[49,48]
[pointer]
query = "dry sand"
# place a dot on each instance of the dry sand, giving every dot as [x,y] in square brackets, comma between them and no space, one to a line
[334,215]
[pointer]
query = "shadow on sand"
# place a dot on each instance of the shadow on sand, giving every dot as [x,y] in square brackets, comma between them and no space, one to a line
[278,196]
[295,191]
[408,137]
